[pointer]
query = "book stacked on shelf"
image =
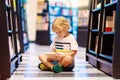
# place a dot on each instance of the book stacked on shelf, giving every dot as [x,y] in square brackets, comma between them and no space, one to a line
[83,17]
[110,22]
[97,4]
[42,15]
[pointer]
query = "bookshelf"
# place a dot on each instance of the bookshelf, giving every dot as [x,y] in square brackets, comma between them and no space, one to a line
[10,33]
[22,21]
[12,28]
[4,47]
[103,36]
[83,17]
[42,29]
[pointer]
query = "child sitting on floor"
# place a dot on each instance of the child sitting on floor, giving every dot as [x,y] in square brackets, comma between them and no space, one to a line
[64,48]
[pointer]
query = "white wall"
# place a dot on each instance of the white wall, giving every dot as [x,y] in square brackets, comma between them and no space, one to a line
[31,7]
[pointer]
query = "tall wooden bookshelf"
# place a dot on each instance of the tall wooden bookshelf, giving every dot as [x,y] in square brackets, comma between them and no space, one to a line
[83,17]
[23,29]
[4,48]
[42,29]
[104,36]
[10,41]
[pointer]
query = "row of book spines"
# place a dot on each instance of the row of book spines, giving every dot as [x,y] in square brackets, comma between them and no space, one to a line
[109,22]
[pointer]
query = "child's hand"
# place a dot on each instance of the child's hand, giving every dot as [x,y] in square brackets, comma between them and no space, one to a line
[60,56]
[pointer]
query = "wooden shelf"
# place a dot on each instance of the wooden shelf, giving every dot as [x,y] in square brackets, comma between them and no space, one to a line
[41,14]
[108,57]
[108,33]
[105,66]
[11,34]
[91,59]
[112,4]
[103,52]
[95,30]
[96,10]
[82,32]
[92,52]
[42,30]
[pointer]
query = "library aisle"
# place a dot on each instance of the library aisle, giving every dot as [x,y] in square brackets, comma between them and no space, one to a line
[28,69]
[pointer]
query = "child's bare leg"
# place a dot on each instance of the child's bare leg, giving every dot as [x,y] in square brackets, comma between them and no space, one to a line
[44,59]
[66,61]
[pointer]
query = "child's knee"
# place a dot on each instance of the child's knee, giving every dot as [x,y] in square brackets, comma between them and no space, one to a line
[66,62]
[41,56]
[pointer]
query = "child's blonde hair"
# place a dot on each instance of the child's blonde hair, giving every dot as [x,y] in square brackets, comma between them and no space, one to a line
[61,24]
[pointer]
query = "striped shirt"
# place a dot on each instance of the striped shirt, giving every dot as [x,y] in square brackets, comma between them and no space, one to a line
[64,44]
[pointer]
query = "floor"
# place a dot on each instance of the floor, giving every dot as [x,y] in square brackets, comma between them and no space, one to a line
[28,69]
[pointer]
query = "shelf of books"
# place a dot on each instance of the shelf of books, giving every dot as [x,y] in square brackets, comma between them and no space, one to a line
[10,33]
[23,22]
[42,15]
[103,39]
[4,45]
[83,17]
[12,26]
[42,29]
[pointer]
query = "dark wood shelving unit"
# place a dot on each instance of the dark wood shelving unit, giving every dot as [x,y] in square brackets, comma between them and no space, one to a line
[11,40]
[103,49]
[4,48]
[22,21]
[83,17]
[42,30]
[82,35]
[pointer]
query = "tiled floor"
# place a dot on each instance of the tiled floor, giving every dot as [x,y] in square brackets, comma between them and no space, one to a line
[28,69]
